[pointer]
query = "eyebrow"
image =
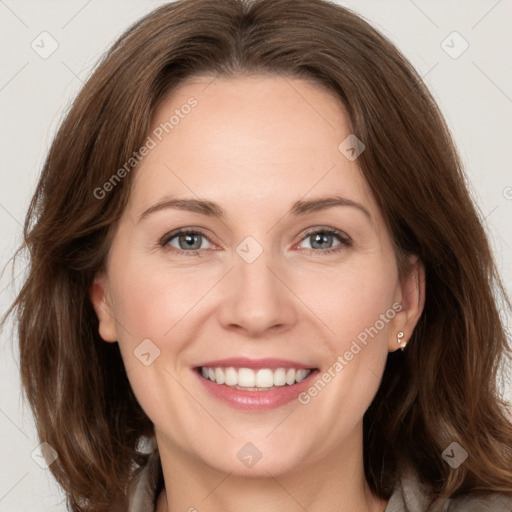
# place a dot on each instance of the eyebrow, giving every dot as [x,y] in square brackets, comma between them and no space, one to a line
[211,209]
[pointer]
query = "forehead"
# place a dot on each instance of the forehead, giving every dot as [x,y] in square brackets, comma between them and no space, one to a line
[257,140]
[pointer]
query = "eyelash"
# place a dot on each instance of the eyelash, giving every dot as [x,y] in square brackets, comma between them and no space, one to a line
[343,238]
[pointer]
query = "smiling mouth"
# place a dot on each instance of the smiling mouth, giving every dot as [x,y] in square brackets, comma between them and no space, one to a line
[247,379]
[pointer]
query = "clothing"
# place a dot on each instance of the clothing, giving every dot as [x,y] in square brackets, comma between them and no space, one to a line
[407,497]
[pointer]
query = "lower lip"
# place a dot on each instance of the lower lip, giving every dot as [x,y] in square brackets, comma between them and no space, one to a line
[256,400]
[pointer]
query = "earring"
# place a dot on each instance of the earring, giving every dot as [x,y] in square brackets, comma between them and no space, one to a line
[400,336]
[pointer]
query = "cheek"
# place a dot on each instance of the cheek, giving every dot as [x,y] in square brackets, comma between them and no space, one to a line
[362,320]
[357,309]
[355,305]
[153,310]
[353,300]
[151,300]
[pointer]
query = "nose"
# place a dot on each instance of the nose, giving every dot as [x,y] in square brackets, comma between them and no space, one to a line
[257,298]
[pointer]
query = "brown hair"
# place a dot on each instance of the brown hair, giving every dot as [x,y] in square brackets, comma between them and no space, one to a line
[440,390]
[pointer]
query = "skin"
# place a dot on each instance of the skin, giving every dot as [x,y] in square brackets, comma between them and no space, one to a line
[254,145]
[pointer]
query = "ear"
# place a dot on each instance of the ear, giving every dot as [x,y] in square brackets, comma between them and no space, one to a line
[101,302]
[411,297]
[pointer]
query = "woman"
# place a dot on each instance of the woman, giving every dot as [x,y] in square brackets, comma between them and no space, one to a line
[171,297]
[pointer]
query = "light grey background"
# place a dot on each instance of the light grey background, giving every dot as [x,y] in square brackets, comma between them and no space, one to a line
[473,90]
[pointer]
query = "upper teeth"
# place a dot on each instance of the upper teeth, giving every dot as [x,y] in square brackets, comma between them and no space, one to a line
[248,378]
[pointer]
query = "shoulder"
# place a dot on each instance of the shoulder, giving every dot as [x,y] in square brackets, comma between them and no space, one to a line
[411,496]
[492,502]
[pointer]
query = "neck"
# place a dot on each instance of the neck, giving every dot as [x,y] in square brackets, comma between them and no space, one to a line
[333,482]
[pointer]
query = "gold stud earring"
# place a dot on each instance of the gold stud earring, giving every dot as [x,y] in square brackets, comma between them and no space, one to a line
[400,336]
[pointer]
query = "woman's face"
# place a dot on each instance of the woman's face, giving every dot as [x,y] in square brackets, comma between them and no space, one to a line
[287,266]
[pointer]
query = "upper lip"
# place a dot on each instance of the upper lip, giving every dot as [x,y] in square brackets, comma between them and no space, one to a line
[245,362]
